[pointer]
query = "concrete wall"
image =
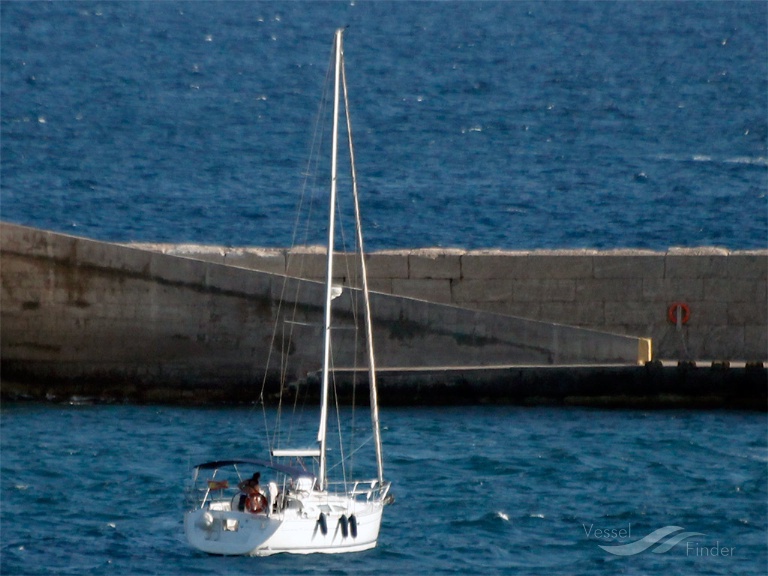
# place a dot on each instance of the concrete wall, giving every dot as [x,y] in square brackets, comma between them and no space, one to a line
[619,291]
[102,315]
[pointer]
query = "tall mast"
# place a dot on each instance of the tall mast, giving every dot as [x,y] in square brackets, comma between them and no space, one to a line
[366,299]
[321,434]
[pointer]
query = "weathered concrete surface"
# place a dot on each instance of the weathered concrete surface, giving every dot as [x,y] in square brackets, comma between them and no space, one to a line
[618,291]
[95,315]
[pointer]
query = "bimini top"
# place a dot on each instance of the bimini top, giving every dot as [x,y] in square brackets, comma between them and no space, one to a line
[292,471]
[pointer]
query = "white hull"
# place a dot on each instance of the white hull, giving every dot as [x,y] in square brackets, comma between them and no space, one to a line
[295,530]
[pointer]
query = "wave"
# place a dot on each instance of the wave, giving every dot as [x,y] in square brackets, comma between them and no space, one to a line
[758,161]
[706,158]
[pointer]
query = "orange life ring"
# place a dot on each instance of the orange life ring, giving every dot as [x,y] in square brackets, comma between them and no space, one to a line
[685,312]
[256,503]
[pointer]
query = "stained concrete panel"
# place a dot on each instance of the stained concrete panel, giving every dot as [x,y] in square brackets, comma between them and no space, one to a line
[686,265]
[483,265]
[430,290]
[609,289]
[748,264]
[387,265]
[733,290]
[672,289]
[628,266]
[434,264]
[559,265]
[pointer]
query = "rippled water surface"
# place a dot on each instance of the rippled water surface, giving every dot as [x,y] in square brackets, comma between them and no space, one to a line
[478,124]
[99,490]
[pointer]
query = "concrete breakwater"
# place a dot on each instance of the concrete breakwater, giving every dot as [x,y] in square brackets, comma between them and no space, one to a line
[195,324]
[93,318]
[722,295]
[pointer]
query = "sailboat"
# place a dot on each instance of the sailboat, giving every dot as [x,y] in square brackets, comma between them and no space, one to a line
[296,508]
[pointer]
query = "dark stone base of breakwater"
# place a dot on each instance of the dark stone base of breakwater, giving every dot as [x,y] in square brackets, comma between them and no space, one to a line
[652,386]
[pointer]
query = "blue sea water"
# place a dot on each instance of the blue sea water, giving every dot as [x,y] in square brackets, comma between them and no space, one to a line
[493,490]
[478,124]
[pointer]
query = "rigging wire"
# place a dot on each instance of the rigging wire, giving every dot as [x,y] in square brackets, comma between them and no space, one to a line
[355,451]
[273,439]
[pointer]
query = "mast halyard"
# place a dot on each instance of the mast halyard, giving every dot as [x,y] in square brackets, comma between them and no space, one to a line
[366,299]
[322,432]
